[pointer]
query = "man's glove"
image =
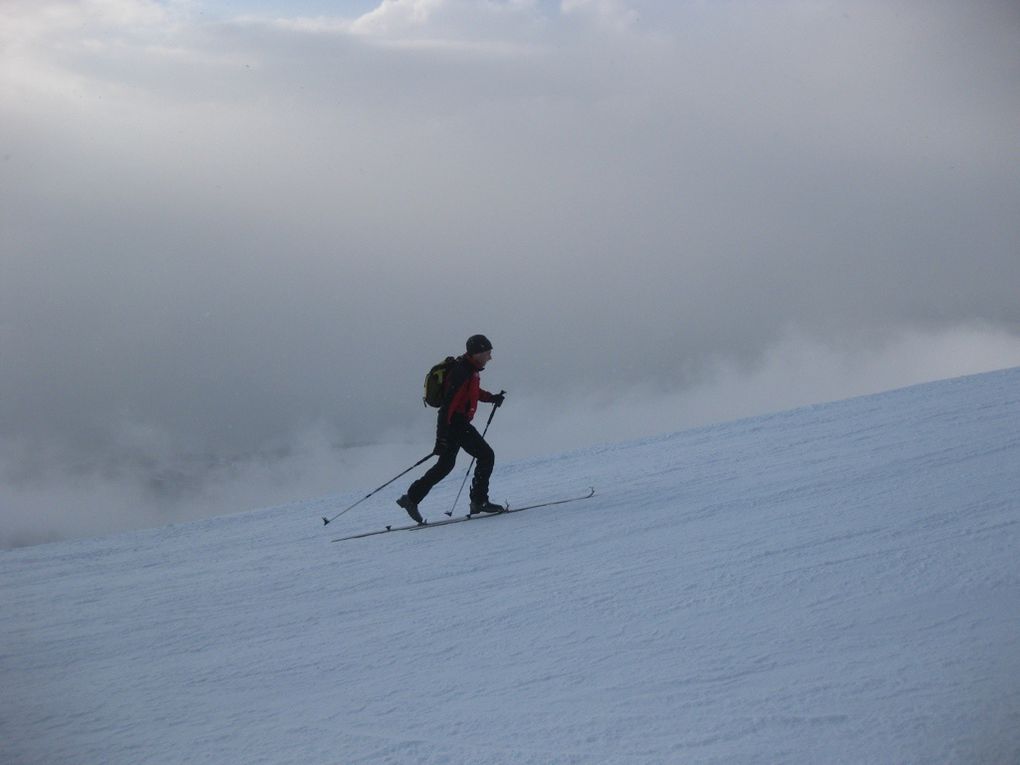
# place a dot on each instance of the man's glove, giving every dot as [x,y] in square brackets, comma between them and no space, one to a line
[497,399]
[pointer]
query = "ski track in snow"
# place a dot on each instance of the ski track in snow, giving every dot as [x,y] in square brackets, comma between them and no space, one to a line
[835,584]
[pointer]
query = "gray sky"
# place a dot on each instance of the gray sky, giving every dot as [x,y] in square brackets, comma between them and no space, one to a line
[236,234]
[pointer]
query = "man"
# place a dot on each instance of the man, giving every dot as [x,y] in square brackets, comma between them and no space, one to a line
[454,431]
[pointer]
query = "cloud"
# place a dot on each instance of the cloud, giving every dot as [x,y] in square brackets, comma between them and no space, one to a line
[794,371]
[151,482]
[221,236]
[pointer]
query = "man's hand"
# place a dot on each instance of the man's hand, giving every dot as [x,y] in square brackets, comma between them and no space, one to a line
[497,399]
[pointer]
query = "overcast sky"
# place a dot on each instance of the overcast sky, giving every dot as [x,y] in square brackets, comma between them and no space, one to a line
[235,234]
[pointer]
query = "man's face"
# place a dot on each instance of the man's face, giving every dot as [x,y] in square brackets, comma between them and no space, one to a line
[481,359]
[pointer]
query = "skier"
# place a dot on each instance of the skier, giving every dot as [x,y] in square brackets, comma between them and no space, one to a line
[454,431]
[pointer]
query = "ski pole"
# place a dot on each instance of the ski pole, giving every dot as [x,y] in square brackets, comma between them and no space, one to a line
[327,521]
[471,464]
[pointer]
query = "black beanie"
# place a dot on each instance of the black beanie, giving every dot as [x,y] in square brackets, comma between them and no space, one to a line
[478,344]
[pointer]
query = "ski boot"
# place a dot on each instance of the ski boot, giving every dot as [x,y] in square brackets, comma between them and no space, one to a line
[485,506]
[411,507]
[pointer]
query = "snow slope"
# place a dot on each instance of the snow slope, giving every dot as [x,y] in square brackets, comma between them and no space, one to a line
[835,584]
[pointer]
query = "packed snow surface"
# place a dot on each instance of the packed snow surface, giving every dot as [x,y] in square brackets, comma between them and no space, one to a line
[834,584]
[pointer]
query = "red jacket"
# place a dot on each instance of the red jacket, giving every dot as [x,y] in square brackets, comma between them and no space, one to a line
[463,392]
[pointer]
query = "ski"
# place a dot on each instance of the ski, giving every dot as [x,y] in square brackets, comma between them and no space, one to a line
[462,518]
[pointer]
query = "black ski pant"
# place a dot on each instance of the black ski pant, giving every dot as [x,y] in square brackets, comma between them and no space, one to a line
[466,437]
